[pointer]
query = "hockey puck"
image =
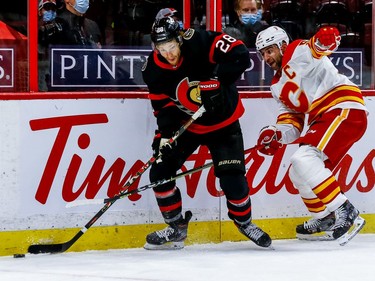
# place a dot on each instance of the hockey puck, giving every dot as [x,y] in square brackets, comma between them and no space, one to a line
[19,256]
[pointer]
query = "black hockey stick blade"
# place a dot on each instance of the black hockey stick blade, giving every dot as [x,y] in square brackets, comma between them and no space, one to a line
[55,248]
[47,248]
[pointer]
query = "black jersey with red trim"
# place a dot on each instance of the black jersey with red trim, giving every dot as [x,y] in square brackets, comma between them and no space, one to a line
[174,90]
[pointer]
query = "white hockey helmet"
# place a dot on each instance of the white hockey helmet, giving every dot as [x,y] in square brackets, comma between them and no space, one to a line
[273,35]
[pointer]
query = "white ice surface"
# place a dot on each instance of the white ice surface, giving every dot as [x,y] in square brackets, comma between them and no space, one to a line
[238,261]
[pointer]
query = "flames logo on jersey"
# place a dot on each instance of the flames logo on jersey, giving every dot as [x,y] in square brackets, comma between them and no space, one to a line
[188,94]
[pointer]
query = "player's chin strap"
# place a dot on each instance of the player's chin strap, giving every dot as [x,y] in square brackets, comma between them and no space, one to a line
[62,247]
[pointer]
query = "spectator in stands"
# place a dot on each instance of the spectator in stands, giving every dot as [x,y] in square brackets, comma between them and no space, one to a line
[98,12]
[248,23]
[49,27]
[167,12]
[80,30]
[68,27]
[170,12]
[291,16]
[50,32]
[163,13]
[132,21]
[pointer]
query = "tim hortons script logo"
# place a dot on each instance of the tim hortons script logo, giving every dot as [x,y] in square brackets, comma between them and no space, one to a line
[114,179]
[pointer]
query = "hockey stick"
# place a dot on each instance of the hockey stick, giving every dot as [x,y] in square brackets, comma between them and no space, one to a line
[145,187]
[139,189]
[62,247]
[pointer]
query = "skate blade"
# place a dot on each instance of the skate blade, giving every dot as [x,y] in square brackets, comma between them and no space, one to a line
[166,246]
[321,236]
[358,224]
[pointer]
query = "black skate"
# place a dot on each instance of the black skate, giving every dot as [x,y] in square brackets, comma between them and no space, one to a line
[317,229]
[348,223]
[170,238]
[255,234]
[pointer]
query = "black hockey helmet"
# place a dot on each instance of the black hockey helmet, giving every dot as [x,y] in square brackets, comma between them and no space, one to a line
[164,30]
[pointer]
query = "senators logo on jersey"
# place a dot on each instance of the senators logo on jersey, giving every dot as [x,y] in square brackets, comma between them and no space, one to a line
[188,94]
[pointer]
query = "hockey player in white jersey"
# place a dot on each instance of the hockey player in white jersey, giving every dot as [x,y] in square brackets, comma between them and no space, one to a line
[307,85]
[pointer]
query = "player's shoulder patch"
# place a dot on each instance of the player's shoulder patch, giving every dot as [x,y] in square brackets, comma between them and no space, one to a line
[188,34]
[144,65]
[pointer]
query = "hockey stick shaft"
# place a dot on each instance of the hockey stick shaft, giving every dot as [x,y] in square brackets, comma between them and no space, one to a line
[145,187]
[164,181]
[62,247]
[160,182]
[139,189]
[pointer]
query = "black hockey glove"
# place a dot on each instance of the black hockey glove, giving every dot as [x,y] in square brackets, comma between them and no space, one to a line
[211,96]
[160,145]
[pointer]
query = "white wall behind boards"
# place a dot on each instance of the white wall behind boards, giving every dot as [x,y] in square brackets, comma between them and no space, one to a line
[56,151]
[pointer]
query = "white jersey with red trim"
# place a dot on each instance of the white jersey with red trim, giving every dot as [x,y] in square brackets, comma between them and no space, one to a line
[309,83]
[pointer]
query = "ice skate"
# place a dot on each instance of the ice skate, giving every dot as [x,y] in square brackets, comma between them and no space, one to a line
[255,234]
[170,238]
[317,229]
[348,223]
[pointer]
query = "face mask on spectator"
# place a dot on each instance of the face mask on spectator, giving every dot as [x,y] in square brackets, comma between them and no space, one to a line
[81,6]
[49,15]
[251,18]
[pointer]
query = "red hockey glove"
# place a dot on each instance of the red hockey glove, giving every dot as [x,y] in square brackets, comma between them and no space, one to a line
[160,145]
[327,39]
[269,140]
[211,96]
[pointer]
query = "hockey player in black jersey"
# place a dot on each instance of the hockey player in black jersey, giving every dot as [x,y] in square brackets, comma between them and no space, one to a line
[185,70]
